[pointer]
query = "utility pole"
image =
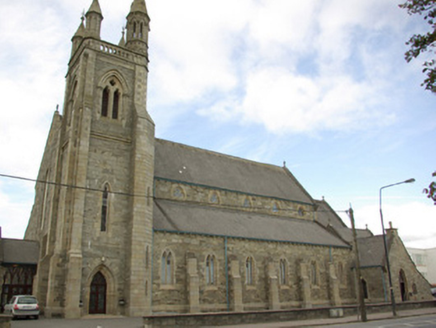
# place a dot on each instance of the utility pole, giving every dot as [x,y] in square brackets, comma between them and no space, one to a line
[360,294]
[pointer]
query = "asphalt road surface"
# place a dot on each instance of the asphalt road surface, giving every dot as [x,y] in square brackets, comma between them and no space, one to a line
[79,323]
[425,321]
[428,321]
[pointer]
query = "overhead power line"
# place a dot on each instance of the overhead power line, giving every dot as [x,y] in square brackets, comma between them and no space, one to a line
[222,205]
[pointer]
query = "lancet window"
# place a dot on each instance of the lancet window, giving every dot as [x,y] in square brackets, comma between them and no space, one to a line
[104,208]
[249,271]
[283,272]
[210,270]
[167,266]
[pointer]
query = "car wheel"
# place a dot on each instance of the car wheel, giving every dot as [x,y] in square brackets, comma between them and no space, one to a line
[36,317]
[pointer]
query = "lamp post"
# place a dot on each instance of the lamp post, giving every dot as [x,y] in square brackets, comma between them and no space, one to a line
[394,311]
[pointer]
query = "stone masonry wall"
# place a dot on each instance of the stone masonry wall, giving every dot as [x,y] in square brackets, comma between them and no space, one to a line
[173,190]
[266,258]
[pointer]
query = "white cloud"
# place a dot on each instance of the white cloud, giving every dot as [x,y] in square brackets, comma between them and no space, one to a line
[272,39]
[286,102]
[415,222]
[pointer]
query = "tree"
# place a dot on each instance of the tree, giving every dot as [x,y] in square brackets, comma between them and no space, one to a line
[420,43]
[431,190]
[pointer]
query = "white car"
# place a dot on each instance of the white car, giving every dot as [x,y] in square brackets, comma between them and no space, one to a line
[22,306]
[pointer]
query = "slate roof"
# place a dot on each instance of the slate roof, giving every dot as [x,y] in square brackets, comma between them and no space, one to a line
[371,251]
[175,216]
[327,217]
[17,251]
[179,162]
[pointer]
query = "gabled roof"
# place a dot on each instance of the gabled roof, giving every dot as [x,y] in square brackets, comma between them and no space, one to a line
[327,217]
[17,251]
[192,165]
[181,217]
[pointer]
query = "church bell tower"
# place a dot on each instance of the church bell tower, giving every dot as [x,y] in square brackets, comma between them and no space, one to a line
[94,223]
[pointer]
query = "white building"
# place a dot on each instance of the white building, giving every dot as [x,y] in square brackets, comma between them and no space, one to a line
[425,261]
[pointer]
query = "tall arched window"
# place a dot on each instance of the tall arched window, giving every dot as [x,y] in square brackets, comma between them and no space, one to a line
[111,100]
[341,273]
[210,270]
[283,272]
[167,268]
[365,288]
[249,271]
[116,104]
[104,208]
[313,274]
[105,102]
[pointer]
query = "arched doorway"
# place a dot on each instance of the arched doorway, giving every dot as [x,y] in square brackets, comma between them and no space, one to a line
[365,289]
[97,296]
[403,286]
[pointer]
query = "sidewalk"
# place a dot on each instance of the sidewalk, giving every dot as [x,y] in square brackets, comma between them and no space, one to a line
[334,321]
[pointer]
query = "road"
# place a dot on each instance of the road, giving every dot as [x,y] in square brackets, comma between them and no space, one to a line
[428,321]
[425,321]
[94,322]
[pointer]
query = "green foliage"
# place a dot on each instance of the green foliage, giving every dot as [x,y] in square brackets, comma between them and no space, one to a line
[420,43]
[431,190]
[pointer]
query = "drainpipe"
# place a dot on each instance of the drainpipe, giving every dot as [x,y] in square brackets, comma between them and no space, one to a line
[227,273]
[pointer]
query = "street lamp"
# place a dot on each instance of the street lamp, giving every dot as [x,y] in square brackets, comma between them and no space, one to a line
[394,312]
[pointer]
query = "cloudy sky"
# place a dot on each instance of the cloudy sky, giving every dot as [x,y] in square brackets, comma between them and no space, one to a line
[319,84]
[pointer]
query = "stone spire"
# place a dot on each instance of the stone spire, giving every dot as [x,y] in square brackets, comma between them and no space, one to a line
[94,17]
[122,42]
[138,27]
[79,35]
[139,6]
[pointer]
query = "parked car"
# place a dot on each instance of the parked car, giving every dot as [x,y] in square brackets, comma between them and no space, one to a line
[433,291]
[22,306]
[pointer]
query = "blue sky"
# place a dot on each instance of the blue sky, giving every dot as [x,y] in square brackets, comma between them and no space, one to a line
[321,85]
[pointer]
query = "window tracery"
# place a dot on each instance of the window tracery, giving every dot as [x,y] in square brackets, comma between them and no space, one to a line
[111,99]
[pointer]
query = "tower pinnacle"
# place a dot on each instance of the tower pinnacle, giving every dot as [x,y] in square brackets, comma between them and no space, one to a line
[138,27]
[94,17]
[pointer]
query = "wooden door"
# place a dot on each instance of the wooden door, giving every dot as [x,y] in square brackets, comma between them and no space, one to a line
[97,297]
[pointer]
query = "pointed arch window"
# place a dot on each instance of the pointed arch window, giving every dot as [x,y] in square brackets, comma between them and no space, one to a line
[283,272]
[104,208]
[313,274]
[167,266]
[247,203]
[111,99]
[249,271]
[214,198]
[341,272]
[275,208]
[210,270]
[116,104]
[105,102]
[365,288]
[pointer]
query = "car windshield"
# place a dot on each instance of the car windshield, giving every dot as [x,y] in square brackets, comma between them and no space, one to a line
[26,300]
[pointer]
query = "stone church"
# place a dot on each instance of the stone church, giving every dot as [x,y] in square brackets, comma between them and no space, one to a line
[129,224]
